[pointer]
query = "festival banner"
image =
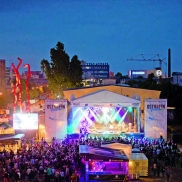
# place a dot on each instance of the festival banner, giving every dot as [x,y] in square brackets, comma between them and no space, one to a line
[55,119]
[156,118]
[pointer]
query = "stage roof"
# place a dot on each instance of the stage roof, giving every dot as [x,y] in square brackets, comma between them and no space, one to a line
[102,154]
[105,96]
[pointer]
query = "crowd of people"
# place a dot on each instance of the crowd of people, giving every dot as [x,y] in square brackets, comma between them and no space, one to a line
[40,161]
[60,161]
[4,116]
[163,154]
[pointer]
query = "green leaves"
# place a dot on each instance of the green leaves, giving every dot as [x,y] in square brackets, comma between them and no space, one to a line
[61,72]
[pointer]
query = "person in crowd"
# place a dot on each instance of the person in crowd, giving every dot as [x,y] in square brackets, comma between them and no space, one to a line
[154,169]
[163,170]
[158,169]
[168,173]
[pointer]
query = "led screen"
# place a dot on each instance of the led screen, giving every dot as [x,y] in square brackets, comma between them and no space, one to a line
[25,121]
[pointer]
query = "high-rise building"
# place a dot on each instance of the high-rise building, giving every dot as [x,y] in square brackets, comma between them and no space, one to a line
[9,76]
[95,70]
[2,74]
[37,77]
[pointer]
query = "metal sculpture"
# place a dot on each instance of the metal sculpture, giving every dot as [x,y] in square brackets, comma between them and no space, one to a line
[27,86]
[17,89]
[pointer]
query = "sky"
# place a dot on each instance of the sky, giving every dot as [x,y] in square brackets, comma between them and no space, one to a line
[97,31]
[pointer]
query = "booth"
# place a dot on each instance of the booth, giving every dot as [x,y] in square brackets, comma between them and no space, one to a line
[138,162]
[102,164]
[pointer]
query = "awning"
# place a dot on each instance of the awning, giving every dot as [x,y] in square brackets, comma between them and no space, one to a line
[15,137]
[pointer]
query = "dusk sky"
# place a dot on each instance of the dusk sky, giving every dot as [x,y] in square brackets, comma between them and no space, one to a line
[98,31]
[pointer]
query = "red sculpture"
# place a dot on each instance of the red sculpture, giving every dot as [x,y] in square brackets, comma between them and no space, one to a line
[17,90]
[27,86]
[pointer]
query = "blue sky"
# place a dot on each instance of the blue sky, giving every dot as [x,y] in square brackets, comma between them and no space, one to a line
[98,31]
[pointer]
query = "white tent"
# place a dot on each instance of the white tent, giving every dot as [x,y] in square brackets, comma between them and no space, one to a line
[105,98]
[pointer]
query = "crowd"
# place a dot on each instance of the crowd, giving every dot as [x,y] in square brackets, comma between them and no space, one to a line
[161,153]
[40,161]
[4,116]
[60,161]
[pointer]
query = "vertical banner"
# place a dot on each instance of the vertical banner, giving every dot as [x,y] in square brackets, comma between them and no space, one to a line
[55,119]
[156,118]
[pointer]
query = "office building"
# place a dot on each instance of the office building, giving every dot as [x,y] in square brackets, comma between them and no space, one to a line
[37,77]
[10,77]
[96,71]
[2,74]
[177,78]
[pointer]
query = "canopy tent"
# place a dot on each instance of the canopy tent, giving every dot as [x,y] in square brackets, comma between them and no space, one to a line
[102,154]
[15,137]
[127,148]
[105,98]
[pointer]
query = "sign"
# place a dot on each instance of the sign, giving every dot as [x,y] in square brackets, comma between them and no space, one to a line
[56,119]
[158,73]
[156,118]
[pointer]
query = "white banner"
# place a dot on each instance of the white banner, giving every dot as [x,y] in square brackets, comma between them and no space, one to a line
[125,104]
[156,118]
[56,119]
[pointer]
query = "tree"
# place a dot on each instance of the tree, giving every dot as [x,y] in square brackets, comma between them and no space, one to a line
[6,98]
[150,76]
[118,75]
[60,71]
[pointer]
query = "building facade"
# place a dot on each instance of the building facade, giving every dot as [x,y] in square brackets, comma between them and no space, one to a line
[37,77]
[177,78]
[95,70]
[10,76]
[138,73]
[2,74]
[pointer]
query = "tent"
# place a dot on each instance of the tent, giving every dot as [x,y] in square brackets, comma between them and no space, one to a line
[103,104]
[127,148]
[105,98]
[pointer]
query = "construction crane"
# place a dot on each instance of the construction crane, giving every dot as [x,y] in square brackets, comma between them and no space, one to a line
[154,59]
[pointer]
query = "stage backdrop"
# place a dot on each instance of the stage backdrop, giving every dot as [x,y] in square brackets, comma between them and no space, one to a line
[56,119]
[156,118]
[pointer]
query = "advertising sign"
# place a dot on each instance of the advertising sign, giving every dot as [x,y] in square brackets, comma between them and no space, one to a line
[156,118]
[56,119]
[25,121]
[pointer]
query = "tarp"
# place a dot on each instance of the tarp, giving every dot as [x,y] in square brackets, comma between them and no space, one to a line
[105,98]
[127,148]
[15,137]
[102,154]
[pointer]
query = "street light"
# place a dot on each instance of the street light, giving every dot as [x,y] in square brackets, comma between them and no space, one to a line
[1,93]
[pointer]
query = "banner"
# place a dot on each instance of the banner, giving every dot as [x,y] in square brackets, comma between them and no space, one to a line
[55,119]
[124,104]
[156,118]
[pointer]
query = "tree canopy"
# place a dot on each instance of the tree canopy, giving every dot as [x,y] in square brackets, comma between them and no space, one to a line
[61,72]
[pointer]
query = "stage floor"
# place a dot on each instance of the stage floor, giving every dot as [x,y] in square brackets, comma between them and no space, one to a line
[106,135]
[124,134]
